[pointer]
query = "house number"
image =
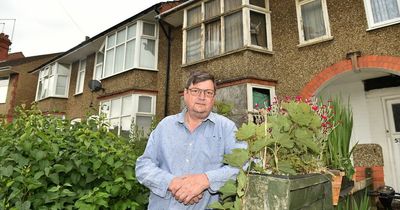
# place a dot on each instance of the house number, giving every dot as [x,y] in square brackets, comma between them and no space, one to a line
[397,140]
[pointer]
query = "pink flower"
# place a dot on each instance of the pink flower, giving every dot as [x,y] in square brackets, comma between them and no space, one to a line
[315,107]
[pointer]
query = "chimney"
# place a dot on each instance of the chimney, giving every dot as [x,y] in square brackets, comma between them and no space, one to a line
[4,46]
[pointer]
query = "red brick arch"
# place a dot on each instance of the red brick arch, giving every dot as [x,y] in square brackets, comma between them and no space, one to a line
[390,63]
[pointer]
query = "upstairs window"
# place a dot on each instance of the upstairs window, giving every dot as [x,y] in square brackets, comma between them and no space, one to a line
[53,81]
[134,46]
[3,89]
[382,12]
[216,27]
[80,77]
[121,112]
[313,21]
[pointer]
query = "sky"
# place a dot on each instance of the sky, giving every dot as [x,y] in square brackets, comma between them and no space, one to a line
[38,27]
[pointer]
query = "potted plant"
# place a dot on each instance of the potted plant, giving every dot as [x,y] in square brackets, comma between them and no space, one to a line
[282,152]
[338,152]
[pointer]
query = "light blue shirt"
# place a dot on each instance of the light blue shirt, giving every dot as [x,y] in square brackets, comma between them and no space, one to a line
[173,151]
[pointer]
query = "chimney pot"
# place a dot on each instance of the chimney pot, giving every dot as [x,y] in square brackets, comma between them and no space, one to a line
[4,46]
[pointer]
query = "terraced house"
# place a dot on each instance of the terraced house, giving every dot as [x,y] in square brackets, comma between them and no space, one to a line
[258,49]
[17,86]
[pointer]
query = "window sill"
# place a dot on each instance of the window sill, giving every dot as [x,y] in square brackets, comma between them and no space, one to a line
[377,26]
[50,97]
[266,51]
[315,41]
[77,94]
[136,68]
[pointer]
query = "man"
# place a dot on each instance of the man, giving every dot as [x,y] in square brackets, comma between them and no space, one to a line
[183,161]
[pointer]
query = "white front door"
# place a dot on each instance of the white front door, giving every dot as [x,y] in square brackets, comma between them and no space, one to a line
[393,141]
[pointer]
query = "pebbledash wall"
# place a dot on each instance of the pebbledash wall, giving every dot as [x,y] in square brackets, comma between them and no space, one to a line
[302,70]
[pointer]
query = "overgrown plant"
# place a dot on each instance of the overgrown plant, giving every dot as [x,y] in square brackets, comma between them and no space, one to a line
[291,141]
[48,163]
[338,154]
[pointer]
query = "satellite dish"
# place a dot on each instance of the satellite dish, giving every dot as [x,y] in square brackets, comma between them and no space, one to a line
[95,85]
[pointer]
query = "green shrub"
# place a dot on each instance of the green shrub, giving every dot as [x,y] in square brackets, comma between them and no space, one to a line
[47,163]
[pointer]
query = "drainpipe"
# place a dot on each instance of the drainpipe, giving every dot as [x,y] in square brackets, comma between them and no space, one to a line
[168,68]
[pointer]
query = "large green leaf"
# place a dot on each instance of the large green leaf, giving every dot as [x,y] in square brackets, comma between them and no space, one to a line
[246,131]
[229,189]
[237,158]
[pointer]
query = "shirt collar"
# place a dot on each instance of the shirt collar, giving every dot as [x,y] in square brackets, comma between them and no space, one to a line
[181,117]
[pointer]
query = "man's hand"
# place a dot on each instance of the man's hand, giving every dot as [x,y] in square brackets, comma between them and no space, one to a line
[176,184]
[190,187]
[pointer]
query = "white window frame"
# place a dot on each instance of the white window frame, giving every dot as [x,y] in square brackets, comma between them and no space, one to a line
[137,51]
[4,89]
[245,10]
[326,37]
[135,107]
[250,87]
[80,77]
[370,17]
[51,73]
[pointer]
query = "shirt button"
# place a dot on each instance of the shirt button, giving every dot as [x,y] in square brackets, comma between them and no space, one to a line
[187,160]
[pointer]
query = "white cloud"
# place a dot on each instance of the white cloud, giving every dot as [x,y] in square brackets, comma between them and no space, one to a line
[49,26]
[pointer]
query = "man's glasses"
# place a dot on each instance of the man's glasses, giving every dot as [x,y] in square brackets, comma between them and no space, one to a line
[197,92]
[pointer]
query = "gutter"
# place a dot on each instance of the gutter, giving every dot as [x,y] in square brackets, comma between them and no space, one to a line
[168,65]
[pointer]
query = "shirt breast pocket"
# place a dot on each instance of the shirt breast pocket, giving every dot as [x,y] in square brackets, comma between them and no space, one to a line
[214,151]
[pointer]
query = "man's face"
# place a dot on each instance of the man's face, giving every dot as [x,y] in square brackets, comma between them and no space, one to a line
[199,98]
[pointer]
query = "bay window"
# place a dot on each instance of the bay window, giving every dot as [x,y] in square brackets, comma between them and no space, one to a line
[382,12]
[313,21]
[216,27]
[121,112]
[133,46]
[3,89]
[53,81]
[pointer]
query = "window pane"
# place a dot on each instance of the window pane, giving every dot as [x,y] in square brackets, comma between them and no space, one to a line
[261,98]
[132,31]
[232,4]
[119,59]
[82,66]
[111,41]
[384,10]
[99,70]
[61,85]
[114,126]
[130,54]
[233,32]
[3,89]
[259,3]
[213,38]
[115,108]
[193,16]
[127,105]
[212,9]
[121,36]
[313,20]
[105,108]
[80,82]
[62,69]
[257,29]
[144,104]
[147,53]
[109,63]
[396,116]
[100,58]
[193,45]
[125,126]
[144,123]
[149,29]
